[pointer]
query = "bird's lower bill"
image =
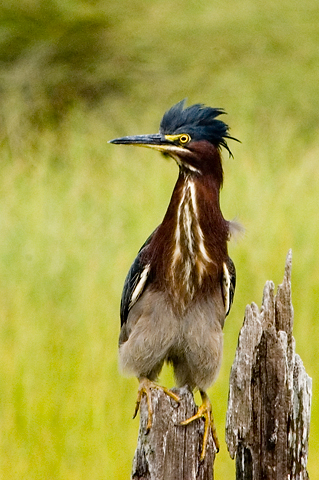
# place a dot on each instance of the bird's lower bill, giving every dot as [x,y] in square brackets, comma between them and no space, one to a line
[156,142]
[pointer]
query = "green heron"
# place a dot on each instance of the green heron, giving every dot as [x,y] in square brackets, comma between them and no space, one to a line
[181,285]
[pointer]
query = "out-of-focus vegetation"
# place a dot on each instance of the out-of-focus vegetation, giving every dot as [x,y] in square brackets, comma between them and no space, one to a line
[74,210]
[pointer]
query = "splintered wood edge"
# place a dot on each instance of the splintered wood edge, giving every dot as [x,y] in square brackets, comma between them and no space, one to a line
[284,315]
[238,417]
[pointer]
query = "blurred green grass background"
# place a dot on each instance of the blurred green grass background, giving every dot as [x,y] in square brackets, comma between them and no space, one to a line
[74,210]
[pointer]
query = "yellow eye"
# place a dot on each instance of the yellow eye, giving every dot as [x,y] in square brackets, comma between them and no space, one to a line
[185,138]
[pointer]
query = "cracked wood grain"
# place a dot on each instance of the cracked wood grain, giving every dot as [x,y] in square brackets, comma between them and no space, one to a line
[171,451]
[268,416]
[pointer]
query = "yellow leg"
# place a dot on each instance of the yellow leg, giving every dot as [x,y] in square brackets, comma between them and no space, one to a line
[205,410]
[145,388]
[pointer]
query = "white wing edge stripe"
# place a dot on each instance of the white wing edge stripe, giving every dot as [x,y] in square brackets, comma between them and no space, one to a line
[140,285]
[226,287]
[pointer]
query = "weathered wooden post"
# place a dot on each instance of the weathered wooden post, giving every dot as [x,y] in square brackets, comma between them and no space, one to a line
[268,415]
[171,451]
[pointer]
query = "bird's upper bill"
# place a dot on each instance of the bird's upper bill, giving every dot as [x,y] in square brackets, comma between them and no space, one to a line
[163,143]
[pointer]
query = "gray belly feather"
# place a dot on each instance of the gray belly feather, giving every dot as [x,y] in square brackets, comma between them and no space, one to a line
[192,341]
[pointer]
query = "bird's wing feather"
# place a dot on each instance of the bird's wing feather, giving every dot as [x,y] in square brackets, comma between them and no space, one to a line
[135,282]
[228,284]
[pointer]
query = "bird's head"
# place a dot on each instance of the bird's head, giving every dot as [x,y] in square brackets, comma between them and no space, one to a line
[192,136]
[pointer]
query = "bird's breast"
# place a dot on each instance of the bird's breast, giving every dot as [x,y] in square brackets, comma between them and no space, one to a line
[190,261]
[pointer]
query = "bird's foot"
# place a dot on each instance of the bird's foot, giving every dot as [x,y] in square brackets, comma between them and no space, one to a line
[145,388]
[205,410]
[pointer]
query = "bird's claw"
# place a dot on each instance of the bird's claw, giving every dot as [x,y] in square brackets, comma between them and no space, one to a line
[205,410]
[145,388]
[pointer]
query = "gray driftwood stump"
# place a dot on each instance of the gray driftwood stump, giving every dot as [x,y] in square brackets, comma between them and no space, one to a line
[268,415]
[171,451]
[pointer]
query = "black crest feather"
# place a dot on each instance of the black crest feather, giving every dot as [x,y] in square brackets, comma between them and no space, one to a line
[198,121]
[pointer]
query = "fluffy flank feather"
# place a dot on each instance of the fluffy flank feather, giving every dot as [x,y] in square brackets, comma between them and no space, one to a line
[236,230]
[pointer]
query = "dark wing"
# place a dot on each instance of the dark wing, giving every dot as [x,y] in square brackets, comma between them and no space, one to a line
[228,284]
[135,282]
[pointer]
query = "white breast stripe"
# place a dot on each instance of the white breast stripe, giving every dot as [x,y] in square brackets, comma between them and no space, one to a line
[189,234]
[187,223]
[193,196]
[177,250]
[201,244]
[140,285]
[177,159]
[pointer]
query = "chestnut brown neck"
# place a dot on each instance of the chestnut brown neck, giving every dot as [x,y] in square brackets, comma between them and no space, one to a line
[191,243]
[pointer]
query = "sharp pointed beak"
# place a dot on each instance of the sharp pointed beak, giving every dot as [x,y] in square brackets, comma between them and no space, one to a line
[156,141]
